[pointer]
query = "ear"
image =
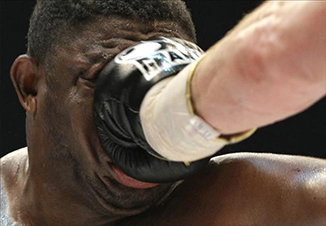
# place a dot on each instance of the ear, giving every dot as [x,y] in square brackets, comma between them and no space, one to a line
[24,77]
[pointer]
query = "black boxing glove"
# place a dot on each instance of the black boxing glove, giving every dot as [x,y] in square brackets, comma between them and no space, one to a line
[120,90]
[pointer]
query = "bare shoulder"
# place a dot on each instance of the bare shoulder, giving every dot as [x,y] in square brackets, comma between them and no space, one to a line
[14,156]
[296,168]
[249,189]
[296,172]
[291,189]
[9,174]
[11,162]
[13,167]
[269,159]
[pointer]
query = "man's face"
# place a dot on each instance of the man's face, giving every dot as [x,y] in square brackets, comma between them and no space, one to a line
[66,104]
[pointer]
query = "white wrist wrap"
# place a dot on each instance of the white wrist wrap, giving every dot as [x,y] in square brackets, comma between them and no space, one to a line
[170,129]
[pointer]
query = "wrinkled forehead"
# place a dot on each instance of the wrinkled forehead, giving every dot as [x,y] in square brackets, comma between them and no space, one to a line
[94,44]
[106,27]
[104,37]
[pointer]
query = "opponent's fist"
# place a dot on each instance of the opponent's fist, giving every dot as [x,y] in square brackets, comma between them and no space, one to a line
[120,90]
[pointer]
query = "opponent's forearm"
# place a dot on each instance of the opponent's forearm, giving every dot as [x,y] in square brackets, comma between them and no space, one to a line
[271,66]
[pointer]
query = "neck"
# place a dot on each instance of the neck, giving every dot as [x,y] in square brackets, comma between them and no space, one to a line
[52,192]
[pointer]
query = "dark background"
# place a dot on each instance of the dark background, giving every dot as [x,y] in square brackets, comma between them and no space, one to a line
[303,134]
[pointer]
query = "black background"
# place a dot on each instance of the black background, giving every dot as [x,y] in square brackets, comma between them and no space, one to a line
[303,134]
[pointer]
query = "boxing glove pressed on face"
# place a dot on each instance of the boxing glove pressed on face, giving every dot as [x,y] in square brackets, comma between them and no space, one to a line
[120,90]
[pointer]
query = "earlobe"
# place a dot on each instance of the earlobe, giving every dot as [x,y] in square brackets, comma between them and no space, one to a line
[24,77]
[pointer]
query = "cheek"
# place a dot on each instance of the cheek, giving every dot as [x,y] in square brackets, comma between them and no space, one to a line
[80,103]
[67,112]
[82,128]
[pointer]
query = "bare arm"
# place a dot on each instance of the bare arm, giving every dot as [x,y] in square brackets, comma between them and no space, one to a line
[269,67]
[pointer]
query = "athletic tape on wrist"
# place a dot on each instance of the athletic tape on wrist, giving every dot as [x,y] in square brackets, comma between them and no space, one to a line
[201,125]
[171,126]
